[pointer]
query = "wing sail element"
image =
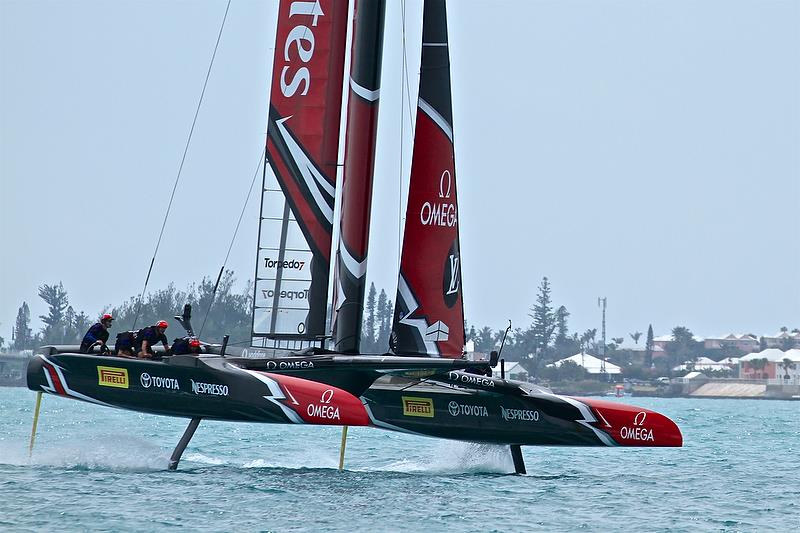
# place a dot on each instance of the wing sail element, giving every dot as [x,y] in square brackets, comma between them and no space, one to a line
[359,162]
[293,262]
[429,312]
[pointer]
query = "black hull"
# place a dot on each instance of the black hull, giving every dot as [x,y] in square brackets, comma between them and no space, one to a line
[340,390]
[479,416]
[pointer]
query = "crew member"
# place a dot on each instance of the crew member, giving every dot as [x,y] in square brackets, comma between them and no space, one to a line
[97,335]
[186,346]
[125,344]
[147,337]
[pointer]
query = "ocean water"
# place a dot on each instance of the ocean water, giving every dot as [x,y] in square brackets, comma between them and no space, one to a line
[96,468]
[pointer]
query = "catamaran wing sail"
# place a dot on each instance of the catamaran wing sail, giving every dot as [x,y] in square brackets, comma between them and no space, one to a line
[293,262]
[429,312]
[362,129]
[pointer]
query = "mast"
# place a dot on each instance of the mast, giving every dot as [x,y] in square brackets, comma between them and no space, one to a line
[429,312]
[359,163]
[297,201]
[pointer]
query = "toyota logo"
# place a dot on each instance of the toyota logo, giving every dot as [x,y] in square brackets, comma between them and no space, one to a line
[453,408]
[145,380]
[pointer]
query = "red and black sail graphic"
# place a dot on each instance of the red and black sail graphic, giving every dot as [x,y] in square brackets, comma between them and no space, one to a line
[359,162]
[302,146]
[429,313]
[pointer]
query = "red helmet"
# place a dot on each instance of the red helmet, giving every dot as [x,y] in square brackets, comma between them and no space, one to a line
[194,343]
[106,317]
[162,324]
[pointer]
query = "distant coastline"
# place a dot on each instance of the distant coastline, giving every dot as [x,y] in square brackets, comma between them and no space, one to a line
[12,369]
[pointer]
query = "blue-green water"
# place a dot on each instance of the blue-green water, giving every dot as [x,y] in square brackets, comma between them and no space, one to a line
[104,469]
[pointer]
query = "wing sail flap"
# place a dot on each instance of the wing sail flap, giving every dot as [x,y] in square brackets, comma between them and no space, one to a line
[296,223]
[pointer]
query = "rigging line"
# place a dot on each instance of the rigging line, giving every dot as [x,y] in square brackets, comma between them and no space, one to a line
[405,70]
[183,159]
[233,239]
[402,142]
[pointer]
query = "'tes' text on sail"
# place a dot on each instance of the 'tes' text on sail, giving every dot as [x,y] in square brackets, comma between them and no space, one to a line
[303,39]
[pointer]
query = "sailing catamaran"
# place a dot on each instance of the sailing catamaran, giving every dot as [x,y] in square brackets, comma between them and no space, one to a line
[287,375]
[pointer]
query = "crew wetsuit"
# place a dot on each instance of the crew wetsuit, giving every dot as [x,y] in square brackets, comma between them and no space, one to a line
[182,347]
[152,336]
[125,342]
[95,333]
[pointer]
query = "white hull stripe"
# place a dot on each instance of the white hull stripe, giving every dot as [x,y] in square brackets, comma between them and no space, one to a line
[437,118]
[587,418]
[69,392]
[276,392]
[385,425]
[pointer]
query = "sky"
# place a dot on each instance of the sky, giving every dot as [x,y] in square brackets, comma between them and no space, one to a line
[646,152]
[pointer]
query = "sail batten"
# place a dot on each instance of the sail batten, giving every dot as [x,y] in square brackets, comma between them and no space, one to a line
[429,314]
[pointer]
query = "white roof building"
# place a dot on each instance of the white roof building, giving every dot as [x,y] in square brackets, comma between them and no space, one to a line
[704,364]
[513,370]
[792,355]
[773,355]
[592,364]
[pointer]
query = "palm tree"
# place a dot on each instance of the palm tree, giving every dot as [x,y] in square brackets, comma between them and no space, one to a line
[758,365]
[787,365]
[587,339]
[635,336]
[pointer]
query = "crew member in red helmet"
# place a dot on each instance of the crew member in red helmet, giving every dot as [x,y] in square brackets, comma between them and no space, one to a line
[97,335]
[148,337]
[186,346]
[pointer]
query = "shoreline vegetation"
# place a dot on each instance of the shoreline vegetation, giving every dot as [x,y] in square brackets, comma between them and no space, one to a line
[222,310]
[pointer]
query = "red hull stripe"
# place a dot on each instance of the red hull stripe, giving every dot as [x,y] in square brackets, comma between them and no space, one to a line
[56,380]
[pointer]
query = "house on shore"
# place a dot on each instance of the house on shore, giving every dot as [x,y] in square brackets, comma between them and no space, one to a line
[771,364]
[593,365]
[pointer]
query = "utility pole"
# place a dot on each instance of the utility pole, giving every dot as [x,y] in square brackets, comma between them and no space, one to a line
[601,302]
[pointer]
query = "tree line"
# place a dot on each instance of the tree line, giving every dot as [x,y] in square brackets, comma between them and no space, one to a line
[545,339]
[226,312]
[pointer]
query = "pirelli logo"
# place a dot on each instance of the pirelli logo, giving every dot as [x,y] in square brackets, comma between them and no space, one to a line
[413,406]
[109,376]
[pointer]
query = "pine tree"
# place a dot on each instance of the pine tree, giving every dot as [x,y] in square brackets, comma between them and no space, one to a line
[561,324]
[368,343]
[648,348]
[22,331]
[385,328]
[81,325]
[56,299]
[70,335]
[543,317]
[382,340]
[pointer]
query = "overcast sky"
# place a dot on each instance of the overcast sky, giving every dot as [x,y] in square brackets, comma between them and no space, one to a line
[648,152]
